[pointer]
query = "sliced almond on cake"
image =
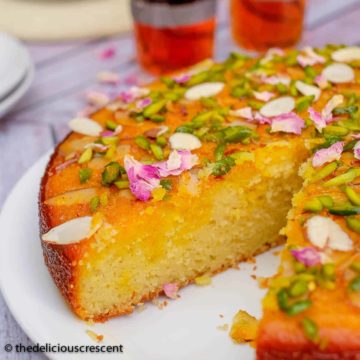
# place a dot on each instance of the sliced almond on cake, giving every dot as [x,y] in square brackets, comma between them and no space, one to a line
[204,90]
[85,126]
[183,141]
[279,106]
[339,73]
[323,231]
[348,54]
[71,231]
[307,89]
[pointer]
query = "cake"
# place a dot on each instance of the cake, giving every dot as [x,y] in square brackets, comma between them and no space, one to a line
[195,172]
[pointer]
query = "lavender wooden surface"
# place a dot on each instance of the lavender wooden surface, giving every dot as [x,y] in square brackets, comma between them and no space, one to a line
[64,71]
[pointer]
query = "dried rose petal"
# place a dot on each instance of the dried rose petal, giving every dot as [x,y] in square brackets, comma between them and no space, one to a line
[143,103]
[357,150]
[108,53]
[178,162]
[171,290]
[263,95]
[308,256]
[310,57]
[329,154]
[143,178]
[289,123]
[262,119]
[317,119]
[133,94]
[182,78]
[321,81]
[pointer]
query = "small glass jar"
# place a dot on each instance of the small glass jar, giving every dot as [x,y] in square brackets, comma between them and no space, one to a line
[173,34]
[261,24]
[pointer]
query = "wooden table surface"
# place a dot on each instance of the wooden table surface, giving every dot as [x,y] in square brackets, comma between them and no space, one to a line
[65,71]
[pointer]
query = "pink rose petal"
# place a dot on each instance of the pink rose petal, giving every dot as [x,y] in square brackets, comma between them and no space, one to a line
[310,57]
[171,290]
[317,119]
[143,103]
[133,94]
[289,123]
[143,178]
[263,95]
[330,154]
[107,133]
[262,119]
[178,162]
[132,79]
[321,81]
[335,101]
[357,150]
[108,53]
[182,79]
[308,256]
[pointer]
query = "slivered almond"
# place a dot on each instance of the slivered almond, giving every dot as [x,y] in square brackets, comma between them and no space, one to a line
[85,126]
[339,73]
[204,90]
[348,54]
[323,231]
[70,232]
[182,141]
[278,106]
[307,89]
[81,196]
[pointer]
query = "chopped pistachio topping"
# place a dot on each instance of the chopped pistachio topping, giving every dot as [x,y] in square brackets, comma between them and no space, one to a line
[111,172]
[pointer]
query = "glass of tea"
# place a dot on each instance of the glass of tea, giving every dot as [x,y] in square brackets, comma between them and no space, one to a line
[173,34]
[261,24]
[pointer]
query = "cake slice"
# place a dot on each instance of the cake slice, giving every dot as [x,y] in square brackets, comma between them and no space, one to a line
[312,310]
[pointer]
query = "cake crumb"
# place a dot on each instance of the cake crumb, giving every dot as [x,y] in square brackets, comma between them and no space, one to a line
[224,327]
[251,260]
[253,276]
[276,253]
[94,336]
[263,282]
[203,280]
[244,327]
[221,315]
[160,304]
[140,307]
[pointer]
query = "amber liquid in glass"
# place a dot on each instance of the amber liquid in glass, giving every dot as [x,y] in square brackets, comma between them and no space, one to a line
[163,50]
[262,24]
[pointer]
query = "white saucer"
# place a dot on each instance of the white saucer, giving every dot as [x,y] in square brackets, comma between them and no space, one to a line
[14,63]
[185,329]
[7,103]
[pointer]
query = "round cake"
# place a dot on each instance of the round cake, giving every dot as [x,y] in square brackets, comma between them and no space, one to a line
[195,172]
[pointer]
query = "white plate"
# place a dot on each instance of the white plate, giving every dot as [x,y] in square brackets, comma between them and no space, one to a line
[185,329]
[14,63]
[7,103]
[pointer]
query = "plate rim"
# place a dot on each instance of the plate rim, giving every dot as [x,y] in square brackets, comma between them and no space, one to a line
[9,101]
[43,158]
